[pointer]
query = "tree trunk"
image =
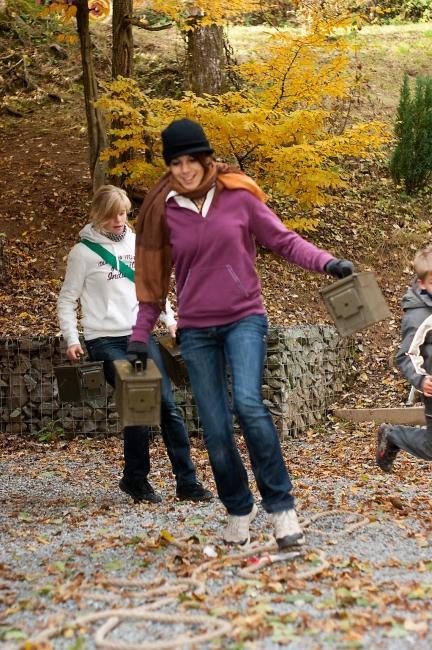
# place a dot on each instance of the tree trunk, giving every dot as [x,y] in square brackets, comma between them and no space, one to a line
[96,132]
[207,60]
[122,39]
[122,63]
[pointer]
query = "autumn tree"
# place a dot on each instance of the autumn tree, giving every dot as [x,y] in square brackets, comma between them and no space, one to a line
[206,60]
[205,51]
[96,129]
[202,25]
[276,127]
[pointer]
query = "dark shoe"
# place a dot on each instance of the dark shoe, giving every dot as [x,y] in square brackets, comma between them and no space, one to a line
[386,451]
[193,492]
[139,490]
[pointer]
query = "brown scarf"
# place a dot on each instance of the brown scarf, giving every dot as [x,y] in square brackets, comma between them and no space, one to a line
[153,261]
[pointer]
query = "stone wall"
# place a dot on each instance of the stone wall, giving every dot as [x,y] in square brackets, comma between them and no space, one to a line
[28,392]
[306,366]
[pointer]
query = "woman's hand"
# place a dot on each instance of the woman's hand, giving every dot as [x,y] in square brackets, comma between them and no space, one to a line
[74,352]
[172,329]
[339,268]
[427,386]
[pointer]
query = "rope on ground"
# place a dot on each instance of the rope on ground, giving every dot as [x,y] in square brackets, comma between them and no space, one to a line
[220,628]
[167,594]
[326,513]
[81,621]
[267,558]
[116,616]
[178,587]
[311,573]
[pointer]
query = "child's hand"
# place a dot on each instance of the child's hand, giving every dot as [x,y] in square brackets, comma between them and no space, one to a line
[74,352]
[427,386]
[172,329]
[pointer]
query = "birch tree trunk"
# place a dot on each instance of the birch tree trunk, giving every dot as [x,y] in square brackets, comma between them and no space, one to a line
[96,131]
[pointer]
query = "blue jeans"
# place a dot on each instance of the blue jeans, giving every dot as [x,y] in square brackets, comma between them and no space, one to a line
[243,346]
[136,438]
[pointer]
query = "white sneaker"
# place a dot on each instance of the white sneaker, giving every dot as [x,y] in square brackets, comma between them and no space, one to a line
[287,528]
[237,528]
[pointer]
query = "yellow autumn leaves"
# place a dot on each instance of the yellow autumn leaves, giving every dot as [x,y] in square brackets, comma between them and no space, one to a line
[278,126]
[100,10]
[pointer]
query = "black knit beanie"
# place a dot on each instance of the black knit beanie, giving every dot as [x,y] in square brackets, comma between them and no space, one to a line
[183,137]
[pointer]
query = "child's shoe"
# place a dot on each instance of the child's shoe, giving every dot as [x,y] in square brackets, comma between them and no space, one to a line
[140,490]
[386,451]
[193,492]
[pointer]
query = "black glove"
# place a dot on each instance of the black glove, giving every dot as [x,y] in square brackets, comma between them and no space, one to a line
[339,268]
[137,351]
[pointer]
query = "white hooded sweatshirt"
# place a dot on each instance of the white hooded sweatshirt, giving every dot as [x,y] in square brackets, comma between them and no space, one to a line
[108,300]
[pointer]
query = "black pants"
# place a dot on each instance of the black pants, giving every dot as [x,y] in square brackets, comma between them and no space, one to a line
[136,438]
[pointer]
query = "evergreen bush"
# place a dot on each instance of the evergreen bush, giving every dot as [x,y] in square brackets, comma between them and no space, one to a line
[411,162]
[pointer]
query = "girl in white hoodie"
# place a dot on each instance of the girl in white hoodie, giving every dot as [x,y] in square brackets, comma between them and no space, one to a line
[106,293]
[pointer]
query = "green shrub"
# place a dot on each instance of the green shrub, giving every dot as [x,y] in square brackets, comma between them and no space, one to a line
[51,432]
[385,10]
[416,10]
[411,162]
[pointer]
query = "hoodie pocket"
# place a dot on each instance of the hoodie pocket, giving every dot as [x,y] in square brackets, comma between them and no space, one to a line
[119,315]
[211,291]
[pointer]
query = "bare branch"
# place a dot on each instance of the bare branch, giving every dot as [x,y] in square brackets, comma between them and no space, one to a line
[150,28]
[10,68]
[241,159]
[282,92]
[235,154]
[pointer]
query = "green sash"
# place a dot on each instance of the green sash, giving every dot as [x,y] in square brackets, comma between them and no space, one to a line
[110,259]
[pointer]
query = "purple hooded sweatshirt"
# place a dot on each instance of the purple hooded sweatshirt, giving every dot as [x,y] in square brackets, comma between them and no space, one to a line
[214,259]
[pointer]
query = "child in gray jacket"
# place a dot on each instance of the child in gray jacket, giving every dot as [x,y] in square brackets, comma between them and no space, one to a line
[414,360]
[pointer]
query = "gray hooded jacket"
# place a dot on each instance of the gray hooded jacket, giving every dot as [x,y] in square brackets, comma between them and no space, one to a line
[417,306]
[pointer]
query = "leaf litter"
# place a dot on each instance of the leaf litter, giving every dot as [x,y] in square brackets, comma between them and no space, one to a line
[75,547]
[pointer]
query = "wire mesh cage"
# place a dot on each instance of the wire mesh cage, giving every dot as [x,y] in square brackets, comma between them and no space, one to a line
[306,366]
[29,394]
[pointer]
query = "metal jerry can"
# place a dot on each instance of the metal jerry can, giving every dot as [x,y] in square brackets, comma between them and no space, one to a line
[80,381]
[173,361]
[138,393]
[355,302]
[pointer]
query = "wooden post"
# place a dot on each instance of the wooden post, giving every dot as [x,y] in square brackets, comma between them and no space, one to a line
[413,415]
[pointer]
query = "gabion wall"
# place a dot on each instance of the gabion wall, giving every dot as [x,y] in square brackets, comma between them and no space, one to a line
[306,366]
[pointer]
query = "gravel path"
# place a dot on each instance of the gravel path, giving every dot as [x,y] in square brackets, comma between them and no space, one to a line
[69,538]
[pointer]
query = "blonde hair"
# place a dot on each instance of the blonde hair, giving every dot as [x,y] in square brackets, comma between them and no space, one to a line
[108,201]
[423,262]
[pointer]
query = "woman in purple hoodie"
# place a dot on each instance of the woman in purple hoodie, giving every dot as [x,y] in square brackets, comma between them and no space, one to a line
[203,218]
